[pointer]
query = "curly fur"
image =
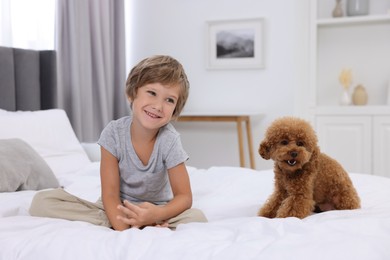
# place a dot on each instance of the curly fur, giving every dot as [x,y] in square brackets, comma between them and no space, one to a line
[305,178]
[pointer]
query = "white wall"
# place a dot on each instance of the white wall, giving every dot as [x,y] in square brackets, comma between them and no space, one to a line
[178,28]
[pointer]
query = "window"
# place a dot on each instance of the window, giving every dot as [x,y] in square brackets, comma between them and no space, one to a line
[27,24]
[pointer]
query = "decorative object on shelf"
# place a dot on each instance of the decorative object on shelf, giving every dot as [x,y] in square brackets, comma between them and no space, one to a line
[357,7]
[345,79]
[345,98]
[359,96]
[338,10]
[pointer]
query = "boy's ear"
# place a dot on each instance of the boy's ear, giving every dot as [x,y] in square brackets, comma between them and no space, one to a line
[130,102]
[264,150]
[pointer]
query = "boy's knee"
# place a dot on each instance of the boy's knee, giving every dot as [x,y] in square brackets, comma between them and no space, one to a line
[40,204]
[198,215]
[35,207]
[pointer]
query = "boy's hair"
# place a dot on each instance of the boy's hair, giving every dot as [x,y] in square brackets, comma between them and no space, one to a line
[159,69]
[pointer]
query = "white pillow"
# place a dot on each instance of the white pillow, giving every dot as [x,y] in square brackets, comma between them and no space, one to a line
[50,133]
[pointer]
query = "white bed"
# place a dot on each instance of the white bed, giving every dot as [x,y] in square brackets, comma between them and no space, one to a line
[229,196]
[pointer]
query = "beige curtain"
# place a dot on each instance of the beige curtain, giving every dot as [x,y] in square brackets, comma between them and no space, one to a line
[91,62]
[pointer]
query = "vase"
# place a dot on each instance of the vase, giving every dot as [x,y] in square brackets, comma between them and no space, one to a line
[345,98]
[359,96]
[357,7]
[338,10]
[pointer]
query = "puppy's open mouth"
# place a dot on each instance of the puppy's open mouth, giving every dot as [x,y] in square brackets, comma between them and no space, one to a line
[291,162]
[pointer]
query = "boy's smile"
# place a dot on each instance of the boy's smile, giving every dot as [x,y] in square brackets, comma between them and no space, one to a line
[152,115]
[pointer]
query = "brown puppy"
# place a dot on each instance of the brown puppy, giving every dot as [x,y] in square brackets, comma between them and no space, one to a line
[305,178]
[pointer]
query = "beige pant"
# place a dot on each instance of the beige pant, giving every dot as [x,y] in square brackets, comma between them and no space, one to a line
[60,204]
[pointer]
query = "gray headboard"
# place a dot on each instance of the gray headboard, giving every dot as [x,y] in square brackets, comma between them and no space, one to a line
[28,79]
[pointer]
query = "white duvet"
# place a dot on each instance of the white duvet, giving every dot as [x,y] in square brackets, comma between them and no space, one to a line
[230,197]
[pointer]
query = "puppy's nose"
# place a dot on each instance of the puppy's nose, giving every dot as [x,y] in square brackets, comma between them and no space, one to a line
[294,154]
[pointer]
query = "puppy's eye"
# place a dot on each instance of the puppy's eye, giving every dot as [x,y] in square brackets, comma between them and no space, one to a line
[300,143]
[284,142]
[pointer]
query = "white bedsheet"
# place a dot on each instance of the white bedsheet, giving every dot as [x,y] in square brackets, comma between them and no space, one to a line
[230,197]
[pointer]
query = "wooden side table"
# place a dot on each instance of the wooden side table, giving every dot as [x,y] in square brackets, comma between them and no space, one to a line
[238,119]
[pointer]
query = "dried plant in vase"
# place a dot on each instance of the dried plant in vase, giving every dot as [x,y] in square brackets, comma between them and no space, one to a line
[345,79]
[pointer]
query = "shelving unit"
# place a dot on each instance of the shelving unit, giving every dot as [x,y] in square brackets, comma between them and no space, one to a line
[362,44]
[353,20]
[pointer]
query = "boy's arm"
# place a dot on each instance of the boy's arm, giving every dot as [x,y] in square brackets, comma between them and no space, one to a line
[148,214]
[110,182]
[182,194]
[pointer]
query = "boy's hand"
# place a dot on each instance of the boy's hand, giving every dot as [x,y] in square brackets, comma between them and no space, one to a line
[143,214]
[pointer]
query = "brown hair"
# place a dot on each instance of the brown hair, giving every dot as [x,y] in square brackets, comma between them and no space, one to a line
[159,69]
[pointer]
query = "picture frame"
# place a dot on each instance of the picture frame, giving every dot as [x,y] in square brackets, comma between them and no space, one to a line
[235,44]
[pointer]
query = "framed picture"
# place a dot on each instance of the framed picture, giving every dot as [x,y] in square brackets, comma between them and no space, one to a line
[235,44]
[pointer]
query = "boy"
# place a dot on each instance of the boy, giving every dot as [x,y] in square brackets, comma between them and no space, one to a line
[142,159]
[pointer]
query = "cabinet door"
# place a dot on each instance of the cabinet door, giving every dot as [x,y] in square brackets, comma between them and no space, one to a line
[382,145]
[348,140]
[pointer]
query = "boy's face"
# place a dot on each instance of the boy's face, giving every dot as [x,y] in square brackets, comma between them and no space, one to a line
[154,104]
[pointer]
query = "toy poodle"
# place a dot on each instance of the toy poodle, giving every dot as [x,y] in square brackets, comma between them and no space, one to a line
[306,180]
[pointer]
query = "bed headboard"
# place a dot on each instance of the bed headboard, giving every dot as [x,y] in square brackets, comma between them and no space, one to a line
[28,79]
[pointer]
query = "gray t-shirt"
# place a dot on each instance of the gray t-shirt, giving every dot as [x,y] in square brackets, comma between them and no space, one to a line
[139,182]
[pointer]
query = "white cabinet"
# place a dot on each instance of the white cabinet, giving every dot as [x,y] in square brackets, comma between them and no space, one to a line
[357,136]
[381,144]
[346,139]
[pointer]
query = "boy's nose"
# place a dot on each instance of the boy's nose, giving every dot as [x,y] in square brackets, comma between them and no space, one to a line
[157,105]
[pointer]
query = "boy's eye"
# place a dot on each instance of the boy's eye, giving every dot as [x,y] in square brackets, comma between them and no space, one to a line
[150,92]
[171,100]
[284,142]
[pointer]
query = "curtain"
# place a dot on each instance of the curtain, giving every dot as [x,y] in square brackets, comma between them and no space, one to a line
[91,63]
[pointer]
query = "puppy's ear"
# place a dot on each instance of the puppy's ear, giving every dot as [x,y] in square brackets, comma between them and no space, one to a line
[314,157]
[264,150]
[315,154]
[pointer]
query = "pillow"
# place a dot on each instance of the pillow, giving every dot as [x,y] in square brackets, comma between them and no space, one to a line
[21,168]
[50,133]
[93,151]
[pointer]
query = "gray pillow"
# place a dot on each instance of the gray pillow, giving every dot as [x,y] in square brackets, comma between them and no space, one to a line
[22,168]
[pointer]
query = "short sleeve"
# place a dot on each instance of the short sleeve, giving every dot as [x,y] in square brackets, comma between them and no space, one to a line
[109,139]
[176,154]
